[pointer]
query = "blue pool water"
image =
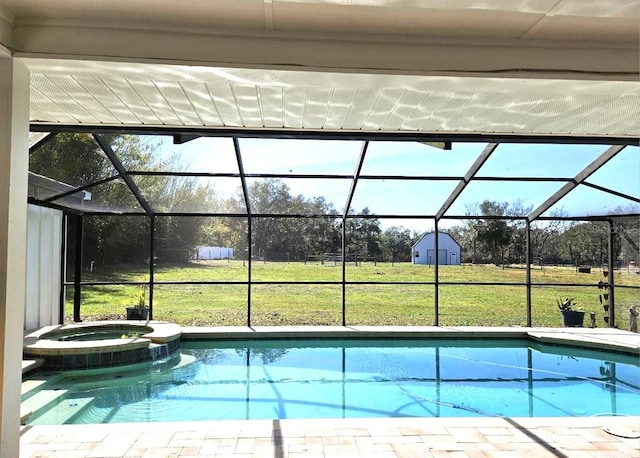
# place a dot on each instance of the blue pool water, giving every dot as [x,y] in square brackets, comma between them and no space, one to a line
[345,379]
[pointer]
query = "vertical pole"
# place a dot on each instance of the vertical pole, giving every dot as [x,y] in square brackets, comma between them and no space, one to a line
[612,302]
[436,292]
[247,202]
[63,265]
[344,271]
[528,270]
[77,276]
[354,183]
[249,262]
[152,251]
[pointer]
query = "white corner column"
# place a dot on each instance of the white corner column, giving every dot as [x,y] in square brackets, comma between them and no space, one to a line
[14,162]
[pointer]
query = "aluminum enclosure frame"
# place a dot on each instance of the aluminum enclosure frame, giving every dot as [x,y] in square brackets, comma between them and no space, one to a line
[185,135]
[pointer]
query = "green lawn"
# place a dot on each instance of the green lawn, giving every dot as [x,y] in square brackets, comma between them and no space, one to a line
[470,303]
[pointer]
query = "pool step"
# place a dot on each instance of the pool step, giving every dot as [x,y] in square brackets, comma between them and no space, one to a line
[59,399]
[44,401]
[62,412]
[41,400]
[25,413]
[29,386]
[33,385]
[29,365]
[27,389]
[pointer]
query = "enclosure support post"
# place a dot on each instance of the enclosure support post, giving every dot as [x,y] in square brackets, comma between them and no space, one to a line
[117,164]
[77,273]
[344,271]
[63,266]
[612,302]
[347,206]
[247,203]
[436,290]
[249,256]
[152,250]
[528,271]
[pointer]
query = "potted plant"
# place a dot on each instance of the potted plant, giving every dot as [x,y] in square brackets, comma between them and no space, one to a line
[138,310]
[571,316]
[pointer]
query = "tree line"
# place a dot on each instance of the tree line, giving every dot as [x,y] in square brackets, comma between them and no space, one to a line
[77,160]
[489,239]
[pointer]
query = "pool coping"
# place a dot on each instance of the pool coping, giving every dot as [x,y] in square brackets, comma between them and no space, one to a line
[600,436]
[161,332]
[607,339]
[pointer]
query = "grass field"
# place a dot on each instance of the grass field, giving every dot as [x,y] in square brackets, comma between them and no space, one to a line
[469,303]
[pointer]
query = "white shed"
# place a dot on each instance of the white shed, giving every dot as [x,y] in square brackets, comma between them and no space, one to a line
[424,250]
[213,252]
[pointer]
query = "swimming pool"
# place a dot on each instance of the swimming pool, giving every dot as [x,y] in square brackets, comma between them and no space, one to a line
[277,379]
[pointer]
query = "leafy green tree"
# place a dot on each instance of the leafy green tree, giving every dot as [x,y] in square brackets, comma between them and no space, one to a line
[77,159]
[545,237]
[466,235]
[279,238]
[73,159]
[321,235]
[493,234]
[517,249]
[368,234]
[223,231]
[271,234]
[396,243]
[496,235]
[587,243]
[363,235]
[626,231]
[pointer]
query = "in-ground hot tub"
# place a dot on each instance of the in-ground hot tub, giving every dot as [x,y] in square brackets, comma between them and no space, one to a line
[101,344]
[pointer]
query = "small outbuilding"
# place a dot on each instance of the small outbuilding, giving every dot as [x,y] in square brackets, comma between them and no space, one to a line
[213,252]
[424,250]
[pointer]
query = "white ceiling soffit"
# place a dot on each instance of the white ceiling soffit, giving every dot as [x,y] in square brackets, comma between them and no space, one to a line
[118,94]
[535,67]
[609,20]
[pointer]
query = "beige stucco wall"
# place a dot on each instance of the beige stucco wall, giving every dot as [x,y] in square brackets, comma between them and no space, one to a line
[14,158]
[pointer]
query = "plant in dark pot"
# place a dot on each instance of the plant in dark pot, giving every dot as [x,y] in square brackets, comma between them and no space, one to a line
[572,316]
[138,310]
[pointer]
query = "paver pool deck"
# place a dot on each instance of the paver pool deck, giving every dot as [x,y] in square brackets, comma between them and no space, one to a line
[597,436]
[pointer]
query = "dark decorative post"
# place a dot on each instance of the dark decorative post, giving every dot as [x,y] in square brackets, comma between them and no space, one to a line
[152,243]
[63,267]
[612,306]
[343,252]
[528,279]
[77,277]
[249,268]
[436,321]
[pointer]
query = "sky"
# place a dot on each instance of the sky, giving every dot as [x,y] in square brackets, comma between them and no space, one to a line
[389,196]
